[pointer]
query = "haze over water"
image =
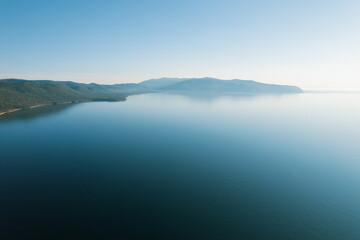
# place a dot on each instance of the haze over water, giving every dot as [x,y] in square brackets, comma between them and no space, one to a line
[184,167]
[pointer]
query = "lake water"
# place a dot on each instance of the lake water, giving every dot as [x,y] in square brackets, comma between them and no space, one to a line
[184,167]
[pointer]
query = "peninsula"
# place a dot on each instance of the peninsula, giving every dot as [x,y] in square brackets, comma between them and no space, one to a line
[18,94]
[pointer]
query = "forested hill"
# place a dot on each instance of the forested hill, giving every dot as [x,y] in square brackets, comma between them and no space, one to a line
[17,93]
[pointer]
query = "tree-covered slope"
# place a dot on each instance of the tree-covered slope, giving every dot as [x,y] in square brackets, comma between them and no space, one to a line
[16,93]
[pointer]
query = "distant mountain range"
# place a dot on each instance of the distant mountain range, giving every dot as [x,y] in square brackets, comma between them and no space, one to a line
[18,94]
[216,85]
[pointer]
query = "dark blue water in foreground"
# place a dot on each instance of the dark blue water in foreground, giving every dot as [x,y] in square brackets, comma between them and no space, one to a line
[184,167]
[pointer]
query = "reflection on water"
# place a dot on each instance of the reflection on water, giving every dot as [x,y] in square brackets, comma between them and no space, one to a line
[207,97]
[185,167]
[30,114]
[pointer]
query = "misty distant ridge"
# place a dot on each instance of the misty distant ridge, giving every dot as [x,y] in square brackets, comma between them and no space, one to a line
[217,85]
[16,94]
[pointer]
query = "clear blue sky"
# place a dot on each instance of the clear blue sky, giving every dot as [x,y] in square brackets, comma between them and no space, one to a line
[310,43]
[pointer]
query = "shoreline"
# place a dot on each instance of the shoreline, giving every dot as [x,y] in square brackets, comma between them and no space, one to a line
[49,104]
[31,107]
[10,111]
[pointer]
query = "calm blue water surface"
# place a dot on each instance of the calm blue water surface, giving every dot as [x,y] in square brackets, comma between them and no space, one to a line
[184,167]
